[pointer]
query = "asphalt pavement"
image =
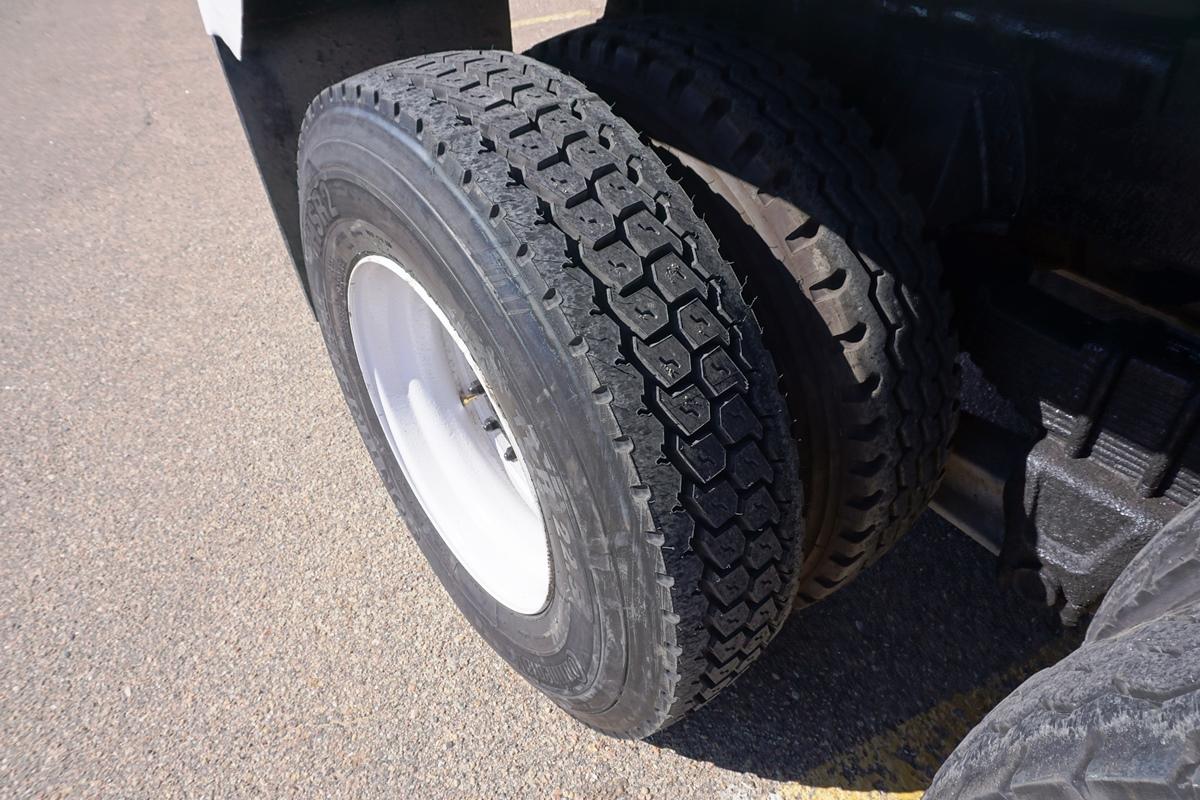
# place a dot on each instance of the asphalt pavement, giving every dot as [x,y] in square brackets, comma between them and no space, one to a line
[204,589]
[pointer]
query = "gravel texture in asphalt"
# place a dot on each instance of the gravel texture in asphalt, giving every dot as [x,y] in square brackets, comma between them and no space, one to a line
[203,586]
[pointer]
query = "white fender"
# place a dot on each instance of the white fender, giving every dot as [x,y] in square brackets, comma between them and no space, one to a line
[224,18]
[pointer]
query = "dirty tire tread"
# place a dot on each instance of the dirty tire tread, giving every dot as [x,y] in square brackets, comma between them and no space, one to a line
[1163,576]
[764,115]
[632,283]
[1118,718]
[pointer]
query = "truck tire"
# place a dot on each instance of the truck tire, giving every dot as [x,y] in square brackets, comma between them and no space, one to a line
[849,294]
[1117,718]
[482,216]
[1165,575]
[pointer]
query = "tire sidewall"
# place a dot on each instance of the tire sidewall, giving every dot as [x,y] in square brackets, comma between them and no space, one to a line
[368,187]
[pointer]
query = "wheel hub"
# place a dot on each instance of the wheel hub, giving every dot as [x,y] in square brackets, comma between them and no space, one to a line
[451,441]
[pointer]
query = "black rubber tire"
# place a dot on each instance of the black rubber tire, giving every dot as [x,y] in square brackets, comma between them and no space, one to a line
[618,346]
[810,213]
[1164,576]
[1118,718]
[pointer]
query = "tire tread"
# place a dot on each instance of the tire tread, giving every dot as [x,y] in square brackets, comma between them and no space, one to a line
[570,190]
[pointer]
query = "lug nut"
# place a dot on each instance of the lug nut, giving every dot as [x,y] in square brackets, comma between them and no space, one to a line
[472,391]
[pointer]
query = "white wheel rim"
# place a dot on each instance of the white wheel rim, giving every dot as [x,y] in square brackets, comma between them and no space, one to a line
[452,443]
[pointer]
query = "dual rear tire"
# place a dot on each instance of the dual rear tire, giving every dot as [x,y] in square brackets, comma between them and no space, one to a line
[591,445]
[811,215]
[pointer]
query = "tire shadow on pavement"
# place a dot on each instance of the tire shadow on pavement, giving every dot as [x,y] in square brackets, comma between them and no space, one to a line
[872,688]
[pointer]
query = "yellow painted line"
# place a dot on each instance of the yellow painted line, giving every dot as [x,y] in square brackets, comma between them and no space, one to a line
[563,16]
[792,792]
[900,763]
